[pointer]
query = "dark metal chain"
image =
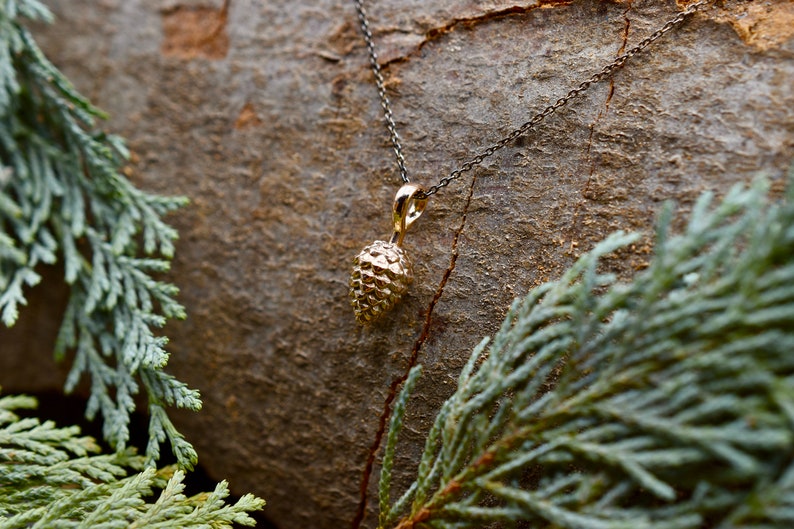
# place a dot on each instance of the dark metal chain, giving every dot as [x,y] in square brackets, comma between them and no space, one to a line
[384,99]
[605,72]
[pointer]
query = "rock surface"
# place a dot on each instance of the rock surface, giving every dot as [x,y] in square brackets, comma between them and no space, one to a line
[265,114]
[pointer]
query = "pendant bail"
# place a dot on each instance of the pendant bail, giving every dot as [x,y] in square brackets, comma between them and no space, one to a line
[409,203]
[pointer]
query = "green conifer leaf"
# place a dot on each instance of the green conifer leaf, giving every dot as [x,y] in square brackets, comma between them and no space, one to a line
[664,402]
[63,197]
[53,477]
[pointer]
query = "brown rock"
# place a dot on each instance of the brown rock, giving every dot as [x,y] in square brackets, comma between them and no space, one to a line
[190,32]
[294,390]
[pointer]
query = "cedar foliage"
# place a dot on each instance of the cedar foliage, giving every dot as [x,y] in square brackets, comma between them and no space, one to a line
[53,477]
[667,402]
[63,198]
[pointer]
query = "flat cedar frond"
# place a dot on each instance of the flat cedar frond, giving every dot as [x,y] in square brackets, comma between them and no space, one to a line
[63,198]
[667,402]
[53,477]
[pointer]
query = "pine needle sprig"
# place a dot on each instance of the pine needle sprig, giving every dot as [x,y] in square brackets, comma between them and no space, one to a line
[53,477]
[41,463]
[667,402]
[63,196]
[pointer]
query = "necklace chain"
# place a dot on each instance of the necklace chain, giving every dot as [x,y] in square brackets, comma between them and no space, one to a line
[607,71]
[384,98]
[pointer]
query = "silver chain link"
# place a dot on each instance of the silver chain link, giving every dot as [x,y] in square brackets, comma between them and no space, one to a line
[607,71]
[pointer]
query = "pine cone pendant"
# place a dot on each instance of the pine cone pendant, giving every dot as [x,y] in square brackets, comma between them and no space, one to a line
[381,275]
[383,271]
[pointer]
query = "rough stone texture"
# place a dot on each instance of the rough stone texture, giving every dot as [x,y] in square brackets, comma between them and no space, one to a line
[264,113]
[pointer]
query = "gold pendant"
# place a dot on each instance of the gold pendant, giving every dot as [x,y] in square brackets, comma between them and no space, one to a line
[383,271]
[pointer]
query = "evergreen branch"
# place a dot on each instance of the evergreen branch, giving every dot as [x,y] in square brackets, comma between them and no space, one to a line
[667,402]
[395,425]
[52,477]
[63,196]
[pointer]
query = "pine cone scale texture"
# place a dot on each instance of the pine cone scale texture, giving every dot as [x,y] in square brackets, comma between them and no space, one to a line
[381,275]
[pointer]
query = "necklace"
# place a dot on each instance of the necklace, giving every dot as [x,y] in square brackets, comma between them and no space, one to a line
[382,271]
